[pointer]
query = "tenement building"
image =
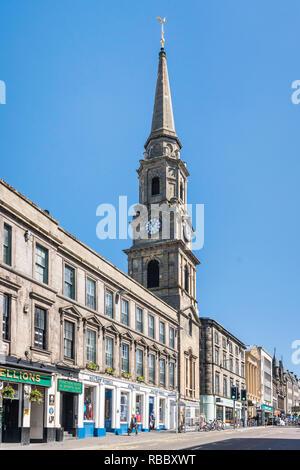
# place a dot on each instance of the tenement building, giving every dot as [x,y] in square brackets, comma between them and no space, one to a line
[253,380]
[84,345]
[222,365]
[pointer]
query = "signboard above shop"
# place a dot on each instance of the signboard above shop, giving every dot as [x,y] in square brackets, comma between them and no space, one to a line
[69,386]
[25,376]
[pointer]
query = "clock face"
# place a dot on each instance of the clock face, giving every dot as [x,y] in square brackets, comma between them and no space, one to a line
[153,226]
[187,231]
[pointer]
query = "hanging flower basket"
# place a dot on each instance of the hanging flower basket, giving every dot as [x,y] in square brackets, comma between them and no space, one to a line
[126,375]
[8,392]
[140,379]
[92,366]
[110,370]
[36,396]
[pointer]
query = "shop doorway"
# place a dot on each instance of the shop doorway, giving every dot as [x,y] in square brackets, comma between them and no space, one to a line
[10,428]
[67,419]
[37,419]
[108,410]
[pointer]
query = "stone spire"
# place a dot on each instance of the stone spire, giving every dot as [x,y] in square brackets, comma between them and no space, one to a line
[162,119]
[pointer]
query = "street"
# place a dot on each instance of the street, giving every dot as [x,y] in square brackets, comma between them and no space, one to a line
[269,438]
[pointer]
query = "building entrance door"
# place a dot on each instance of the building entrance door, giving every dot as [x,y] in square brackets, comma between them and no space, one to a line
[37,419]
[68,411]
[108,410]
[10,428]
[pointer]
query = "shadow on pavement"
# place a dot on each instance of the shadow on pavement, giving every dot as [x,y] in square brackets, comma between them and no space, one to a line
[250,444]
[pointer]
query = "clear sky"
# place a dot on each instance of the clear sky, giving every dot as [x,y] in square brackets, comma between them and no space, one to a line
[80,80]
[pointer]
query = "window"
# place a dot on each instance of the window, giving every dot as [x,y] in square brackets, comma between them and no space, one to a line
[109,303]
[224,360]
[230,348]
[91,294]
[237,367]
[161,410]
[155,186]
[172,337]
[91,346]
[225,387]
[109,349]
[7,244]
[216,337]
[217,356]
[151,368]
[236,351]
[69,331]
[224,342]
[88,404]
[186,279]
[139,320]
[162,332]
[231,364]
[40,328]
[139,363]
[69,282]
[181,192]
[217,385]
[6,317]
[162,370]
[124,407]
[190,326]
[171,374]
[243,370]
[124,313]
[153,274]
[41,264]
[125,358]
[151,326]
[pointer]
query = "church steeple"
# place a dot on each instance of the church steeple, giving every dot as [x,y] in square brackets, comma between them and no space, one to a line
[162,118]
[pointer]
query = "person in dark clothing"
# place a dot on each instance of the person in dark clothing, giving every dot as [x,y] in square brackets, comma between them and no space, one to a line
[133,425]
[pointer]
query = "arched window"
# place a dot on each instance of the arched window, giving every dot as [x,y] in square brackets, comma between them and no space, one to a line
[186,279]
[153,274]
[155,186]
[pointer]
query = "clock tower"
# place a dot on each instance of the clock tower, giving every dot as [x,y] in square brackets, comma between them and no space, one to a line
[161,257]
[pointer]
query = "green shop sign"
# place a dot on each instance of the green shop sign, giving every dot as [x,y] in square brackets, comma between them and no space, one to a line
[24,376]
[266,408]
[69,386]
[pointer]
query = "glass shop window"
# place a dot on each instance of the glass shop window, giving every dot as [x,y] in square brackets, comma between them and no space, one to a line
[124,408]
[88,407]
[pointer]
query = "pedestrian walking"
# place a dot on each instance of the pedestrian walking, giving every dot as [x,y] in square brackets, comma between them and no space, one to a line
[152,421]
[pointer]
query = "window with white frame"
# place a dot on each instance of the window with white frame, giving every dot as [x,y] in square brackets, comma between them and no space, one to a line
[6,317]
[172,337]
[109,352]
[124,407]
[124,312]
[91,294]
[162,372]
[90,346]
[139,319]
[151,368]
[139,362]
[172,374]
[151,326]
[109,303]
[41,264]
[125,358]
[40,328]
[162,337]
[69,339]
[69,289]
[7,244]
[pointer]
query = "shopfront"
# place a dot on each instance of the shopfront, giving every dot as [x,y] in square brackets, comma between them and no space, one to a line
[23,405]
[69,392]
[212,407]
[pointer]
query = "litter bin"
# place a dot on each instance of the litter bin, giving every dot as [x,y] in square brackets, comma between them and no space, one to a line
[60,434]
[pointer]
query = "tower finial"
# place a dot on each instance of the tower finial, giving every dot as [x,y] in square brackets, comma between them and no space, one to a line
[162,21]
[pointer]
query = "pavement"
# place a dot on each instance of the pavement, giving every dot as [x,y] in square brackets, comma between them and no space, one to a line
[253,438]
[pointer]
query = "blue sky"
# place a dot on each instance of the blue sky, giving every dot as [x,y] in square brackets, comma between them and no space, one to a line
[80,79]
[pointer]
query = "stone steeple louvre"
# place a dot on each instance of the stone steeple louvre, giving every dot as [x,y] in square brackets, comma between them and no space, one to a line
[162,119]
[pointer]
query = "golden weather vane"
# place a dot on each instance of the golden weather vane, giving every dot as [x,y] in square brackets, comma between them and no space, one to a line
[162,41]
